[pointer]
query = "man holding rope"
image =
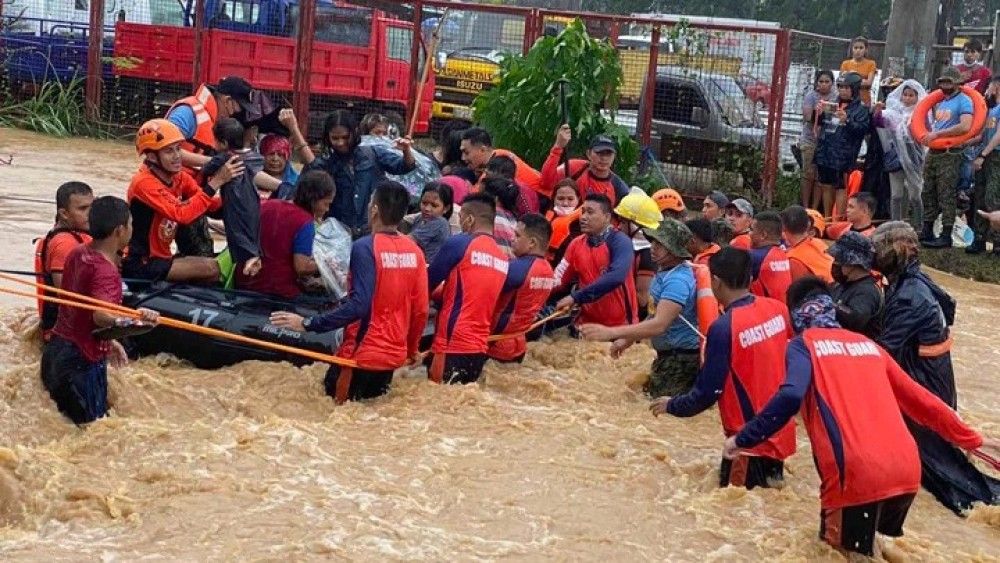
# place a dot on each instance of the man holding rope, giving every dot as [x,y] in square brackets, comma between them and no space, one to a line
[74,362]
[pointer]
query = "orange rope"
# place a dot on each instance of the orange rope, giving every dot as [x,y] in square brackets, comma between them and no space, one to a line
[558,313]
[174,323]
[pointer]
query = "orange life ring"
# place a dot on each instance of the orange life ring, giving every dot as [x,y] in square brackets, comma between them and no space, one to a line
[918,127]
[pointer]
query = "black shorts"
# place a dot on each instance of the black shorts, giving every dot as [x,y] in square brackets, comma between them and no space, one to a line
[353,384]
[517,360]
[152,269]
[456,368]
[830,176]
[79,387]
[853,527]
[752,471]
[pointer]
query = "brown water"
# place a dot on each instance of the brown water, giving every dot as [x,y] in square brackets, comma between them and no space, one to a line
[556,459]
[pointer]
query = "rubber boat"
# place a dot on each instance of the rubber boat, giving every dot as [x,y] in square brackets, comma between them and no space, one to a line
[237,312]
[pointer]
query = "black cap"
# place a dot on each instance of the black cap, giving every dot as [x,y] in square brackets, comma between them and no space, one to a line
[238,89]
[603,143]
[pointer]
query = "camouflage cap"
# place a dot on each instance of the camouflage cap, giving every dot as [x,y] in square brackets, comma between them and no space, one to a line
[950,73]
[672,234]
[854,249]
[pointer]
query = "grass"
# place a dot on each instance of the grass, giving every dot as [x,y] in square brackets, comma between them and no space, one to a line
[981,267]
[56,109]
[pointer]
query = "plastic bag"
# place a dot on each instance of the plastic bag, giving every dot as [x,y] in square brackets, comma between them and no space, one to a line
[332,253]
[413,181]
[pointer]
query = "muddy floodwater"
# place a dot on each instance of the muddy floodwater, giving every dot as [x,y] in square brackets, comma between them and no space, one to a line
[555,459]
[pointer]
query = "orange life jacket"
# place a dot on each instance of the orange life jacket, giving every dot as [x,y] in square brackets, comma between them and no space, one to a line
[706,303]
[206,111]
[811,253]
[47,311]
[837,230]
[561,230]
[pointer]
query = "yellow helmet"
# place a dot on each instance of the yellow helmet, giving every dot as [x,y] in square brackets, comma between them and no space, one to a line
[639,208]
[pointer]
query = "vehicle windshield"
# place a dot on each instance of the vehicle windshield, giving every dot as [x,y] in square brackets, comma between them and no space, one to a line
[735,107]
[481,35]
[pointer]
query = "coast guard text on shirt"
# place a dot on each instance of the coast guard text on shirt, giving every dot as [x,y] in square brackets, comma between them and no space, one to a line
[398,259]
[759,333]
[838,348]
[490,261]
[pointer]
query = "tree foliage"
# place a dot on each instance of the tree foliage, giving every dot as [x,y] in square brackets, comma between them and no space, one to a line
[522,112]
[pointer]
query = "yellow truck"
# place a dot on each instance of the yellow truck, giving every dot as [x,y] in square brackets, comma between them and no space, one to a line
[472,44]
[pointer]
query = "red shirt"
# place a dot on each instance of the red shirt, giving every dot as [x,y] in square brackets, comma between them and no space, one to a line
[979,76]
[742,242]
[157,208]
[280,222]
[51,252]
[529,282]
[861,445]
[89,273]
[473,268]
[759,331]
[579,170]
[390,331]
[603,268]
[772,272]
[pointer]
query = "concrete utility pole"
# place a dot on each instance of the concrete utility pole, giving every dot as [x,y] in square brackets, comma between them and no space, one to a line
[911,37]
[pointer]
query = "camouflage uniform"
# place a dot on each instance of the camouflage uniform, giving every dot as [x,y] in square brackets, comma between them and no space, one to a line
[674,370]
[672,374]
[942,172]
[987,197]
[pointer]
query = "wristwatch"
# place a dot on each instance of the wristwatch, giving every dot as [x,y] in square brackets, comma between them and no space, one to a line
[306,322]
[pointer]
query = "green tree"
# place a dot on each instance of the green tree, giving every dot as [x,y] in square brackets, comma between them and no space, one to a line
[522,112]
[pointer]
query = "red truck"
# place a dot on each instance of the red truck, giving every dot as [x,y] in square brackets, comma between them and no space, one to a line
[360,59]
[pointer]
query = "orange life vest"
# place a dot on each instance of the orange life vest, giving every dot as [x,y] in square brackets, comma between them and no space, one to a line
[811,253]
[706,303]
[47,311]
[837,230]
[206,111]
[561,230]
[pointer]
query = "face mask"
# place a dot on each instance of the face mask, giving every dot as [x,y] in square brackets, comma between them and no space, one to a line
[563,211]
[837,271]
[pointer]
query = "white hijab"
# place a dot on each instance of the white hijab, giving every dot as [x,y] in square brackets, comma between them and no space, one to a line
[896,132]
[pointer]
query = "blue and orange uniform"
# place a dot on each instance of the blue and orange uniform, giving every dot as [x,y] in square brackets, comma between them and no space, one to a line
[743,369]
[852,396]
[473,269]
[772,272]
[384,315]
[529,282]
[602,266]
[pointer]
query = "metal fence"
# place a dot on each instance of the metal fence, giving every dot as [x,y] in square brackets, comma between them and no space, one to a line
[707,98]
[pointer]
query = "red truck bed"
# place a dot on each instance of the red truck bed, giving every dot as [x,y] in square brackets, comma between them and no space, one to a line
[268,62]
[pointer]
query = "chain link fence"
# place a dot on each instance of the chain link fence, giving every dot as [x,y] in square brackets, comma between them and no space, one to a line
[706,98]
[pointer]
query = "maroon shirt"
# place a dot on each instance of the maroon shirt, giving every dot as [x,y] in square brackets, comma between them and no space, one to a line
[87,272]
[280,221]
[979,76]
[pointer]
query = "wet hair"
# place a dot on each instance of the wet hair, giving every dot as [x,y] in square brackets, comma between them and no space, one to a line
[867,200]
[796,220]
[896,245]
[503,190]
[482,207]
[860,39]
[465,173]
[68,190]
[537,228]
[701,229]
[312,187]
[502,166]
[107,214]
[769,224]
[392,200]
[732,266]
[478,136]
[371,121]
[974,45]
[230,131]
[805,288]
[602,200]
[340,118]
[444,192]
[822,73]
